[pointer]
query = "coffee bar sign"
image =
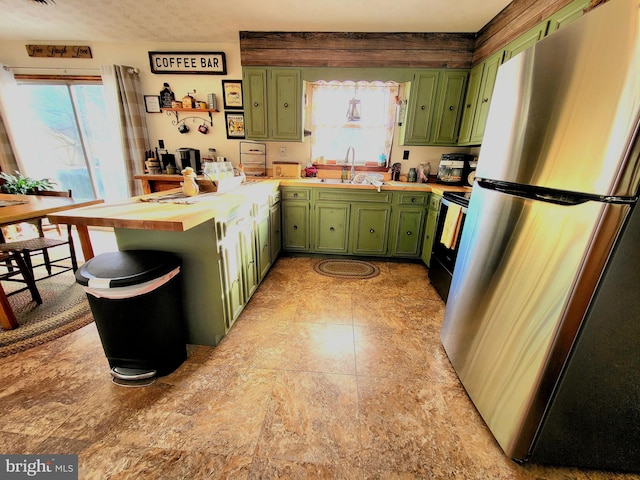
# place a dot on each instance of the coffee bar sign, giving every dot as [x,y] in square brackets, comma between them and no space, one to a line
[211,63]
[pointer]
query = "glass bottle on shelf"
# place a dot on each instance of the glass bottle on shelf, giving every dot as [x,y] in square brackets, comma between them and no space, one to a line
[166,97]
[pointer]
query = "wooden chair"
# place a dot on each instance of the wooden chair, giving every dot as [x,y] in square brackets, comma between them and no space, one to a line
[40,245]
[7,259]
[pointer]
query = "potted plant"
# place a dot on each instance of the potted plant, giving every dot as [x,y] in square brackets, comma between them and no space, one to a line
[18,184]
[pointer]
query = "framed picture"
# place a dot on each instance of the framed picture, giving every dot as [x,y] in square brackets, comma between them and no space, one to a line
[235,124]
[152,103]
[232,94]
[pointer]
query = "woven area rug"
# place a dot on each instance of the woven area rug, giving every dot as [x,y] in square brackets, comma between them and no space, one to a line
[64,308]
[346,268]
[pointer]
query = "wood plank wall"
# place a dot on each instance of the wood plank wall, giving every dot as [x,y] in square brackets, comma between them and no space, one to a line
[340,49]
[517,18]
[387,50]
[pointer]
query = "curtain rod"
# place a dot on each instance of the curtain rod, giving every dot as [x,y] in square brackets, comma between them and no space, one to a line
[131,70]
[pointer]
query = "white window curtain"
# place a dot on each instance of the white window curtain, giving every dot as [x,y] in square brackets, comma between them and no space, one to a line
[124,95]
[8,161]
[8,100]
[334,133]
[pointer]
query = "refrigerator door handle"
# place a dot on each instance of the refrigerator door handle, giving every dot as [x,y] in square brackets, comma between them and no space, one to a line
[558,197]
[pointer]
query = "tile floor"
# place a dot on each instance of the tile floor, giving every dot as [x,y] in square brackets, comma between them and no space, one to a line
[319,379]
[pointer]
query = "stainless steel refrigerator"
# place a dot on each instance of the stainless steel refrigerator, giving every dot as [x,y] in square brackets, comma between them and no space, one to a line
[542,324]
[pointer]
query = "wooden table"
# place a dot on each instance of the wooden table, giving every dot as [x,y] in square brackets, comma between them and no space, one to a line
[33,207]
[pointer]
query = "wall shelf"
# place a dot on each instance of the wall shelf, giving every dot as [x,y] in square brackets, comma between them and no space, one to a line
[175,112]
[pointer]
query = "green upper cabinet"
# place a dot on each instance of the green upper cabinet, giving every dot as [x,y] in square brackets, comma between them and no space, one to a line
[273,103]
[469,105]
[421,107]
[483,75]
[254,86]
[434,108]
[478,99]
[487,82]
[566,15]
[285,104]
[525,41]
[449,107]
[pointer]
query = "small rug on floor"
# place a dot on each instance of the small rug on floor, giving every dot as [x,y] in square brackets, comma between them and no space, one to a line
[342,268]
[64,309]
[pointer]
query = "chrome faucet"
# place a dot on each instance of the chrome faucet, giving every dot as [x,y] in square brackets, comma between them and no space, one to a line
[353,161]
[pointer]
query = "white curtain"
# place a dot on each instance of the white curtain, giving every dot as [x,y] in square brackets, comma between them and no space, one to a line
[9,106]
[334,133]
[125,103]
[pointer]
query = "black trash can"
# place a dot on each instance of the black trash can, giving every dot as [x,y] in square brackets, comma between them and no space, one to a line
[136,301]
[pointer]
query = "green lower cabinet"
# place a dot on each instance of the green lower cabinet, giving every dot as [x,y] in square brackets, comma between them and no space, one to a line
[331,227]
[295,226]
[430,228]
[263,244]
[249,260]
[275,231]
[408,225]
[233,290]
[370,229]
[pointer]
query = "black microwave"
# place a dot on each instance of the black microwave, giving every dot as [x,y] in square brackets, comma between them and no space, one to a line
[454,168]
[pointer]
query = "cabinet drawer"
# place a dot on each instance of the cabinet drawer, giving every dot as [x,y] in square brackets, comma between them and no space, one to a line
[434,201]
[411,198]
[344,195]
[295,194]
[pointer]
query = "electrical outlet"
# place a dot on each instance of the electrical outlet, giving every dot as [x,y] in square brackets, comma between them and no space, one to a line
[283,152]
[161,144]
[405,155]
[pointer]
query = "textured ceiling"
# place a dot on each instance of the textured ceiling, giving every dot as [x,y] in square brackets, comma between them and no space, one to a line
[219,22]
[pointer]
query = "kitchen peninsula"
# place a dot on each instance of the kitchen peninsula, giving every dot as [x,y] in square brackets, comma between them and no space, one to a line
[227,241]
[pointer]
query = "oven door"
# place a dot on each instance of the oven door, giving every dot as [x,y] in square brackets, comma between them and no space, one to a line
[443,258]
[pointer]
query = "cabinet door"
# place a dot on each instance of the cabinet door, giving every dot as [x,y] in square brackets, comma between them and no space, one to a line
[254,86]
[429,232]
[449,107]
[263,246]
[489,73]
[331,227]
[249,261]
[285,104]
[295,226]
[421,106]
[566,15]
[274,231]
[233,293]
[524,41]
[470,103]
[408,228]
[370,227]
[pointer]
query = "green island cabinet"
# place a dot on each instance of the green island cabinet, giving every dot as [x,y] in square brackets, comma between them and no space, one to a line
[275,222]
[273,103]
[223,259]
[430,228]
[435,107]
[482,77]
[296,205]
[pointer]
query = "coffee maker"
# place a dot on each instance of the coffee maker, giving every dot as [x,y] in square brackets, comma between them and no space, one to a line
[188,157]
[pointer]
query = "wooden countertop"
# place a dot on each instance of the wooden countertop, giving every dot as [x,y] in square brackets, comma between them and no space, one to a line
[145,212]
